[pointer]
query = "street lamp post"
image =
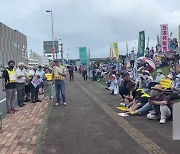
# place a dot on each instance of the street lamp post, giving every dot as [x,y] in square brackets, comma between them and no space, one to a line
[53,49]
[62,58]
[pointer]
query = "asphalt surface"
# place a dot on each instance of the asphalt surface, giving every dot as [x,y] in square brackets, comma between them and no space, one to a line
[90,125]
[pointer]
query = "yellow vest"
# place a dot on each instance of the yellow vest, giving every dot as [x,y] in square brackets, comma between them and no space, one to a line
[12,75]
[48,76]
[56,75]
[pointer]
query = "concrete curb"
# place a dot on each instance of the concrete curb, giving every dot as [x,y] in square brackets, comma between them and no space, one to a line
[43,128]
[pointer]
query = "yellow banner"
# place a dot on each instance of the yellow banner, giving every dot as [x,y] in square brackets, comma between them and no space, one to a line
[114,49]
[158,58]
[165,83]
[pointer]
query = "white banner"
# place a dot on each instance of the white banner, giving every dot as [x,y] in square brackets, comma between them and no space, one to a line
[164,37]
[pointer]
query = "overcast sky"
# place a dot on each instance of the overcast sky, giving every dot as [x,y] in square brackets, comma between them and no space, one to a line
[91,23]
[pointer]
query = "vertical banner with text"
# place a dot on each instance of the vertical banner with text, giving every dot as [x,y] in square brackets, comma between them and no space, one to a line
[164,37]
[141,44]
[116,50]
[83,55]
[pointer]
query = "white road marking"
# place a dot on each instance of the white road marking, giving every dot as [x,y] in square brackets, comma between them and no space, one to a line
[2,100]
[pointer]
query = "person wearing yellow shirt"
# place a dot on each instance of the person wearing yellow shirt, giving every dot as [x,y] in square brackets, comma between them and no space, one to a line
[9,86]
[59,75]
[48,84]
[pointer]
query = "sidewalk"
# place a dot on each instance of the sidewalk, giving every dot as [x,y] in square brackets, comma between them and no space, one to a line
[20,130]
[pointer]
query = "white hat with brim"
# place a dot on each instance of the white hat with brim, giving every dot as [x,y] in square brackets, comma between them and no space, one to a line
[20,64]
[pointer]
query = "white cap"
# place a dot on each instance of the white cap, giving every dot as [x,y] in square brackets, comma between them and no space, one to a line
[170,76]
[20,64]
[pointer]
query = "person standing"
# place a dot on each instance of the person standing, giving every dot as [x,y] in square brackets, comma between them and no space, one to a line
[9,86]
[85,72]
[20,84]
[71,72]
[34,85]
[47,84]
[132,59]
[40,73]
[59,74]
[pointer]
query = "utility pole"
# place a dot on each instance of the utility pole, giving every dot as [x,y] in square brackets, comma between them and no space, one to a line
[62,58]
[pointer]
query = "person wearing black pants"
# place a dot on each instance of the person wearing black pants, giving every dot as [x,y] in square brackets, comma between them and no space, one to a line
[85,74]
[34,94]
[71,72]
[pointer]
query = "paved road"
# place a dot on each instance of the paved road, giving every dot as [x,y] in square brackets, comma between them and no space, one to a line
[90,125]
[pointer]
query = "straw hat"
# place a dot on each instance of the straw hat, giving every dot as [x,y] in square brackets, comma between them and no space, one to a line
[157,87]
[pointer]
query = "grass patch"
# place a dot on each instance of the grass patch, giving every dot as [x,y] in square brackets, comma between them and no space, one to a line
[102,82]
[176,101]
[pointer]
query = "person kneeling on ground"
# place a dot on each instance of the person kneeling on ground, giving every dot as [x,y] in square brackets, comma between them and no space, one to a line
[162,107]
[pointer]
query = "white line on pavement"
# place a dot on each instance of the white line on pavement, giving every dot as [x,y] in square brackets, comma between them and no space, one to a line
[2,100]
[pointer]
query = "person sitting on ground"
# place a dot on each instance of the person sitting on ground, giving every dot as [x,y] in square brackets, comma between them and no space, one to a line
[114,84]
[162,107]
[139,101]
[159,77]
[176,84]
[146,79]
[128,99]
[174,92]
[123,88]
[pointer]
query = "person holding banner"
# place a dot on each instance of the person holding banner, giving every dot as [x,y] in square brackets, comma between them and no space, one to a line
[35,82]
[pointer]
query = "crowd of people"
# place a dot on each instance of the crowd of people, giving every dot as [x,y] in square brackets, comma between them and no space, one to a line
[142,93]
[30,82]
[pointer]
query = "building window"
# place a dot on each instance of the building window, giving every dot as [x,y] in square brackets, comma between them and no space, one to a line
[49,55]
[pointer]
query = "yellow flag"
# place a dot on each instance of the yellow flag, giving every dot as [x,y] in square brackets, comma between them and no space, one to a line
[116,50]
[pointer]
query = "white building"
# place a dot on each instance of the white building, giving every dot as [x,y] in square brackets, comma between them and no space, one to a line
[35,59]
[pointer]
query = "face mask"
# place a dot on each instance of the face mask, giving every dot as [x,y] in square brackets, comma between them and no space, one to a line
[11,67]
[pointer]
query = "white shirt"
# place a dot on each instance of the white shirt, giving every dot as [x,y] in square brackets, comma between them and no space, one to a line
[132,56]
[31,72]
[40,73]
[18,73]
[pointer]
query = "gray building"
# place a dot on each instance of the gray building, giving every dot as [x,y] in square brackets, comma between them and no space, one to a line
[13,45]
